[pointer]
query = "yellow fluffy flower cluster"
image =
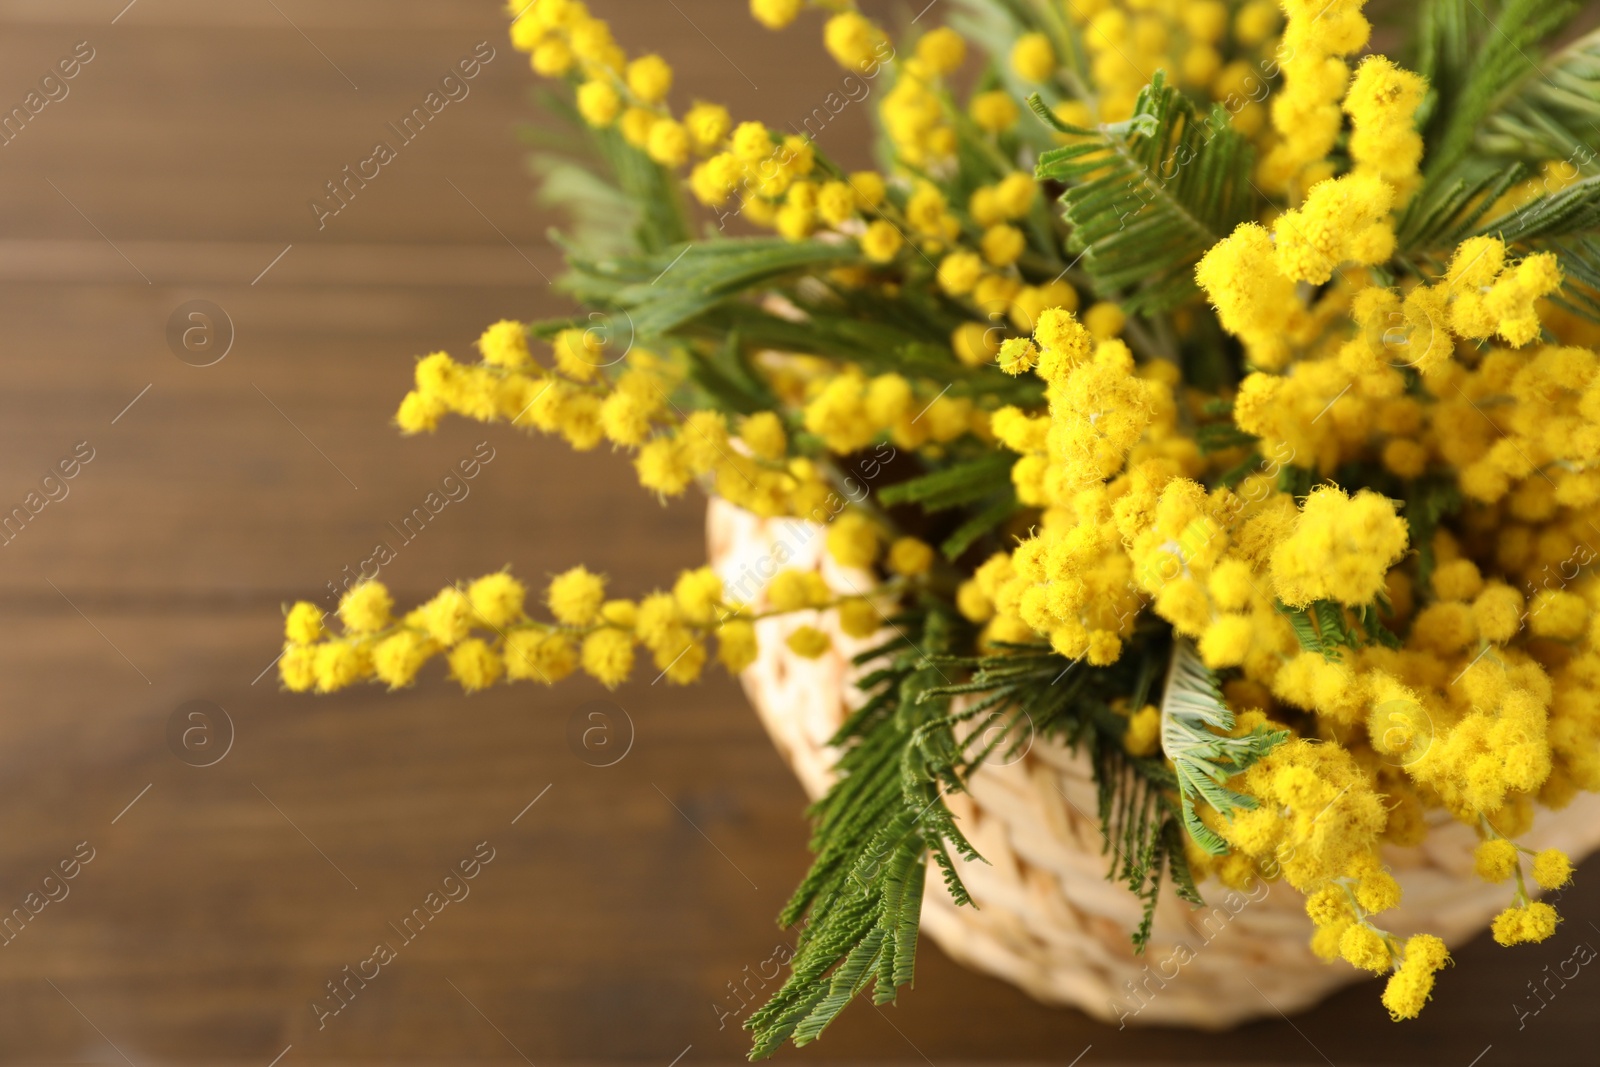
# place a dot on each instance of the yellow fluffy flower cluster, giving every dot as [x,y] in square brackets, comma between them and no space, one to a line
[1072,580]
[1526,920]
[1318,825]
[589,396]
[772,180]
[850,411]
[1478,710]
[1124,521]
[1317,37]
[1488,704]
[1250,276]
[1126,43]
[485,634]
[1381,102]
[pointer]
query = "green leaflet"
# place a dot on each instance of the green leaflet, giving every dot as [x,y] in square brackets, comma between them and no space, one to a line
[1443,214]
[662,291]
[725,375]
[981,522]
[873,345]
[1194,720]
[874,833]
[1221,436]
[1580,264]
[982,486]
[1147,197]
[884,820]
[1482,65]
[1429,500]
[1574,209]
[1305,631]
[1241,470]
[1497,110]
[1139,813]
[601,217]
[1137,801]
[618,201]
[1327,628]
[1552,111]
[960,483]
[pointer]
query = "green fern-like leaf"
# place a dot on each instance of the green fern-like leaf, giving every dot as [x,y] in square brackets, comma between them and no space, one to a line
[1575,209]
[1552,109]
[1146,198]
[1372,622]
[1305,631]
[959,483]
[1429,500]
[875,830]
[1445,213]
[1194,723]
[724,374]
[1327,628]
[1139,811]
[1220,436]
[617,200]
[981,522]
[884,821]
[1483,63]
[1580,265]
[662,291]
[600,216]
[1137,802]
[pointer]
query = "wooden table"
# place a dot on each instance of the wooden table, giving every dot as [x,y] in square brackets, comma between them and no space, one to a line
[620,908]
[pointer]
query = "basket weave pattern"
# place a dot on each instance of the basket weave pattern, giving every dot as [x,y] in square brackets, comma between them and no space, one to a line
[1047,919]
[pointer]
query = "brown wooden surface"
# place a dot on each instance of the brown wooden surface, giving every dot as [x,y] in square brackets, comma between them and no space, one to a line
[620,906]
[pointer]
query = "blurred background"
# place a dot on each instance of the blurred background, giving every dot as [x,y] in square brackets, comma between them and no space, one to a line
[234,849]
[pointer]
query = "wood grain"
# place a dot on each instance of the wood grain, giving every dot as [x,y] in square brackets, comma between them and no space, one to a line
[623,907]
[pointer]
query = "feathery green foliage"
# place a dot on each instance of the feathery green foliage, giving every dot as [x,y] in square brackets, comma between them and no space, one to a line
[1194,723]
[1148,196]
[1220,436]
[1072,702]
[1327,628]
[952,486]
[1429,500]
[1446,212]
[885,817]
[1001,507]
[874,830]
[1552,111]
[1480,58]
[661,291]
[981,485]
[1580,264]
[1575,209]
[616,200]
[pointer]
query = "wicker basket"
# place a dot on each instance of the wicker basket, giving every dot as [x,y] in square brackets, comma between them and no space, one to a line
[1047,919]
